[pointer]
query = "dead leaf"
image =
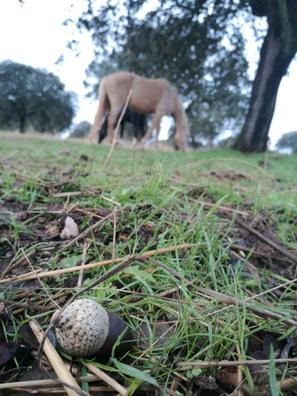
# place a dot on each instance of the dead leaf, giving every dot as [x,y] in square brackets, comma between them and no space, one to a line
[6,352]
[51,230]
[70,229]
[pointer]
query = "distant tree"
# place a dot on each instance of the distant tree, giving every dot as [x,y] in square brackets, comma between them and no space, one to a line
[194,44]
[278,50]
[81,130]
[33,98]
[288,141]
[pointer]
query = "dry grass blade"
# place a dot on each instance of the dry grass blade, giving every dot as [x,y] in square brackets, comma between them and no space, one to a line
[84,258]
[49,274]
[57,363]
[184,366]
[269,242]
[225,298]
[43,382]
[107,379]
[117,129]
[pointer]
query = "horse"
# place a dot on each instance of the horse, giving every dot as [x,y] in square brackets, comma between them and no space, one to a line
[137,120]
[146,96]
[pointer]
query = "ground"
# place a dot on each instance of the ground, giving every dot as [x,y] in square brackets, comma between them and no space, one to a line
[195,251]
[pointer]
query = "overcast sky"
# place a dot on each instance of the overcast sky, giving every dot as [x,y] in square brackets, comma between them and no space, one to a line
[34,34]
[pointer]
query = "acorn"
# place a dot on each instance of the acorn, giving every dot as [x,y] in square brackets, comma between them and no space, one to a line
[85,328]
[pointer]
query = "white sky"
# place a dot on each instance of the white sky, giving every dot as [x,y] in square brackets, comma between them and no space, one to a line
[33,34]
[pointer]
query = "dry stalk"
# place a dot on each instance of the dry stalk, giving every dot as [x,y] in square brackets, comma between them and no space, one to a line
[44,382]
[255,309]
[117,260]
[230,300]
[117,129]
[268,241]
[107,379]
[225,298]
[70,385]
[114,233]
[184,366]
[84,258]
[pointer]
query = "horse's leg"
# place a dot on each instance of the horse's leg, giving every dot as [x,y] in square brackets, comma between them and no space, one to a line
[103,131]
[122,127]
[180,139]
[95,131]
[112,122]
[100,114]
[134,142]
[155,125]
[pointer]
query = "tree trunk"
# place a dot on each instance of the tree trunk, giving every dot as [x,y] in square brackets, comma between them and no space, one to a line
[272,67]
[277,52]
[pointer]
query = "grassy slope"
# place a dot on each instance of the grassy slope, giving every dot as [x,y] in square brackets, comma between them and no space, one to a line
[163,196]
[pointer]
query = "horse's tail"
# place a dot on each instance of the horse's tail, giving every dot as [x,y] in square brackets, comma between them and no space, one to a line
[94,133]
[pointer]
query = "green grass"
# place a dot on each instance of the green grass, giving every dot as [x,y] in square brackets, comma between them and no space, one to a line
[163,199]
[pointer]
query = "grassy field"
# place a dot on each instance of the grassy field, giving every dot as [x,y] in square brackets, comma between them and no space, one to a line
[211,239]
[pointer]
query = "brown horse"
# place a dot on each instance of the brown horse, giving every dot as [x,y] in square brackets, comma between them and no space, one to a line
[146,96]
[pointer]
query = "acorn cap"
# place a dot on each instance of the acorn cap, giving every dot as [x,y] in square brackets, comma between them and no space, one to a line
[117,328]
[82,328]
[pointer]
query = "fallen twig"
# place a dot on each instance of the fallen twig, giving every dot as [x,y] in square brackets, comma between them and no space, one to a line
[256,253]
[67,194]
[226,298]
[44,382]
[269,242]
[184,366]
[49,274]
[70,385]
[35,307]
[84,258]
[107,379]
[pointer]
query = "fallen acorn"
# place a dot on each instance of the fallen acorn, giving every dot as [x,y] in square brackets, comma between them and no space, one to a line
[85,328]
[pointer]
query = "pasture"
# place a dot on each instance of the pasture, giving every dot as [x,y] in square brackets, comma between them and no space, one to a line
[210,238]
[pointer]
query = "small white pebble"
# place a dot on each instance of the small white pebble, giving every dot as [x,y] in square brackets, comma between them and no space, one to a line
[70,229]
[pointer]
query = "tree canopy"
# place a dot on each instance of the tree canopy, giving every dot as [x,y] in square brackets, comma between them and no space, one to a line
[33,98]
[81,130]
[288,141]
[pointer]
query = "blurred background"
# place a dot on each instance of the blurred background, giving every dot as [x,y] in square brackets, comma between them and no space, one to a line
[232,61]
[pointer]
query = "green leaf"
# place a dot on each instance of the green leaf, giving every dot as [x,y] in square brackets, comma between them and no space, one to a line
[70,261]
[135,373]
[134,386]
[272,374]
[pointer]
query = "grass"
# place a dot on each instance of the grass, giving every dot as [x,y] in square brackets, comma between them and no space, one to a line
[158,200]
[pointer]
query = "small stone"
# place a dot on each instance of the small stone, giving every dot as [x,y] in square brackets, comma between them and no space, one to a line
[70,229]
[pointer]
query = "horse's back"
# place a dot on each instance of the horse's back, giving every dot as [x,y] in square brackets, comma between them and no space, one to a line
[147,93]
[117,86]
[119,79]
